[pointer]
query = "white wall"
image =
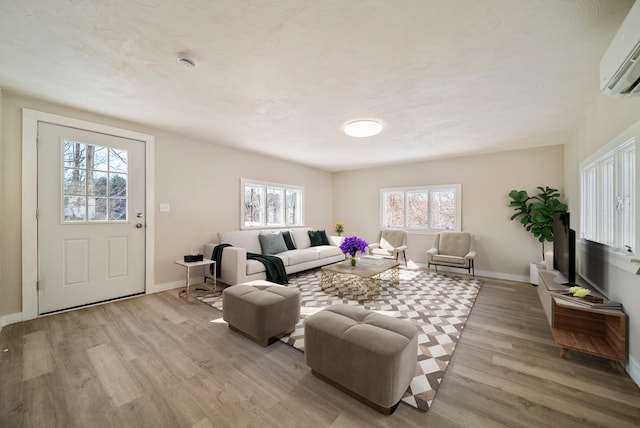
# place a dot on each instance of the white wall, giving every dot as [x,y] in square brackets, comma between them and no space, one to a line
[505,248]
[604,119]
[201,182]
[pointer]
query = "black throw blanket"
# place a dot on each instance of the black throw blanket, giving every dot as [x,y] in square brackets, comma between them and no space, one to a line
[274,266]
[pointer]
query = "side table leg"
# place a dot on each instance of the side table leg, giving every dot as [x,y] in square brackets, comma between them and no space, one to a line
[563,352]
[187,284]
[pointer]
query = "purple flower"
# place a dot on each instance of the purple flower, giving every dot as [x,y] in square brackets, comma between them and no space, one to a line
[352,245]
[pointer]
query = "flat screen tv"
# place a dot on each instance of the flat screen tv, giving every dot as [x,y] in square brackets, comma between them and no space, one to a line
[564,249]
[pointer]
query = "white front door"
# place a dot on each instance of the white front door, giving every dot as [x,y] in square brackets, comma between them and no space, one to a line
[91,200]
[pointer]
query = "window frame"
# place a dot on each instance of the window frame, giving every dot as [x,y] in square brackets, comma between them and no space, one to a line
[608,216]
[457,188]
[85,194]
[284,214]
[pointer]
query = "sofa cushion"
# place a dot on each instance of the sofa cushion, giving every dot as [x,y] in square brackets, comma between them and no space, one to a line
[318,237]
[301,256]
[272,242]
[449,259]
[254,266]
[288,240]
[247,239]
[454,244]
[325,251]
[301,237]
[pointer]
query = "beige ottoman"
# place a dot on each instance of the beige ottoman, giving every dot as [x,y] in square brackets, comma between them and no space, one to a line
[369,356]
[262,311]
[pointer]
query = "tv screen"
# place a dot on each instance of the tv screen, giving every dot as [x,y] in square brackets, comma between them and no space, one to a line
[564,249]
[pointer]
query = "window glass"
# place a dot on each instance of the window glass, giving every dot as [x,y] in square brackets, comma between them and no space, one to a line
[94,183]
[393,209]
[607,191]
[421,208]
[294,207]
[253,205]
[418,209]
[271,204]
[275,206]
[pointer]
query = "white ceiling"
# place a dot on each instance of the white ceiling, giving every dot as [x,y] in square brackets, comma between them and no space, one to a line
[282,77]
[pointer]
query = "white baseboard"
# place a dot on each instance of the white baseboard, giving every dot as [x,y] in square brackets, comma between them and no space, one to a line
[157,288]
[486,274]
[633,368]
[10,319]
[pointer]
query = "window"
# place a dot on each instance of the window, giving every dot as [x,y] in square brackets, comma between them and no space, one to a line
[94,183]
[608,208]
[426,208]
[271,204]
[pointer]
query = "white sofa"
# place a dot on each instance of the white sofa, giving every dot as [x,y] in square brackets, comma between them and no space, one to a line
[236,269]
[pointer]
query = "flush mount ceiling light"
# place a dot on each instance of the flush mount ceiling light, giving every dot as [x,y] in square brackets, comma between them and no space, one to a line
[187,60]
[363,128]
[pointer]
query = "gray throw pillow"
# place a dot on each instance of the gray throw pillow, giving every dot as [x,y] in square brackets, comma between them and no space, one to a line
[272,242]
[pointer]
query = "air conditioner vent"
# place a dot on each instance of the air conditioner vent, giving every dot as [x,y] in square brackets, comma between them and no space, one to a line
[620,65]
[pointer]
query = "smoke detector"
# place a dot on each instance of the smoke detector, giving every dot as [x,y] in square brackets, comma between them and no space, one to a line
[187,60]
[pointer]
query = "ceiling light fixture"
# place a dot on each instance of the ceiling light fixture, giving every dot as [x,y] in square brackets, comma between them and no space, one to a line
[363,128]
[187,60]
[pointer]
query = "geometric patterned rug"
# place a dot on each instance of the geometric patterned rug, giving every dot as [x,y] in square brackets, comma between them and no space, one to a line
[438,304]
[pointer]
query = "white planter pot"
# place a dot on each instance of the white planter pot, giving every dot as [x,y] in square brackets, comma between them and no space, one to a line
[534,268]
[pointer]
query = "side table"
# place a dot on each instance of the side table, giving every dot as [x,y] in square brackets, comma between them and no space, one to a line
[187,291]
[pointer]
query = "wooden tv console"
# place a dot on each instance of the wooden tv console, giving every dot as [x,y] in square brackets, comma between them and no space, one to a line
[600,332]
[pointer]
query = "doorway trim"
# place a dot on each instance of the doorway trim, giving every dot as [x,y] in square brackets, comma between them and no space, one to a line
[30,119]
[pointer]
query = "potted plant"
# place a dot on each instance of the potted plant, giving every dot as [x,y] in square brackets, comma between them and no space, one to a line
[536,213]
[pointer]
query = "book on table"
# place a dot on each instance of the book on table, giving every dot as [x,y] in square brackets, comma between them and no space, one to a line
[588,301]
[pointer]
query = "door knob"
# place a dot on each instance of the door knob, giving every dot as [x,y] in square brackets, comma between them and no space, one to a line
[139,225]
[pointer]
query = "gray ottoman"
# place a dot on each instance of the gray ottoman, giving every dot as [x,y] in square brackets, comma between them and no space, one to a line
[369,356]
[262,311]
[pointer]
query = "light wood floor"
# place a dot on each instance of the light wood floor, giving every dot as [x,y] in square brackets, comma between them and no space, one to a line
[157,361]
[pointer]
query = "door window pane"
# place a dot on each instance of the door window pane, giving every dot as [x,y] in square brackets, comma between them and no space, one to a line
[74,154]
[98,159]
[75,208]
[117,185]
[97,209]
[74,181]
[95,183]
[117,209]
[117,160]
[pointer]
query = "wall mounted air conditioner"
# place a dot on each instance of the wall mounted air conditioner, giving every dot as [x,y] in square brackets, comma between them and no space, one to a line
[620,65]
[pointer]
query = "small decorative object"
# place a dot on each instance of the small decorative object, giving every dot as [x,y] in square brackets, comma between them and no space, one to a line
[536,212]
[579,291]
[193,257]
[339,228]
[351,246]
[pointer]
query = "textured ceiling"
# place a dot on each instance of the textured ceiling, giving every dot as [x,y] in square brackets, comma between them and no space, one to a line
[282,77]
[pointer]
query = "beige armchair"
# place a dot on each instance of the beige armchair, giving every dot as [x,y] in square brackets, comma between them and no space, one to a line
[453,249]
[390,243]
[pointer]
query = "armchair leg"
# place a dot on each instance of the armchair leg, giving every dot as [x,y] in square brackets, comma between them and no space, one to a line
[404,255]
